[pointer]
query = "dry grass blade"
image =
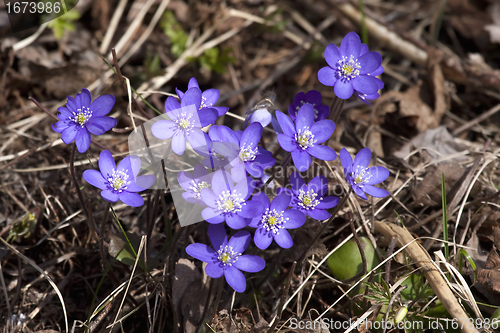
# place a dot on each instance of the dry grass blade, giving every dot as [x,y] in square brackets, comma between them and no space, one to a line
[422,259]
[35,266]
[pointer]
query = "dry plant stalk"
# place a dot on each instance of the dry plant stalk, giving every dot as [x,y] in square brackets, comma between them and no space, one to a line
[423,260]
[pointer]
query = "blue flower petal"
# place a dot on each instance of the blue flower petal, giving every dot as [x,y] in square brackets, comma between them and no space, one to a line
[86,98]
[305,117]
[179,143]
[319,214]
[328,202]
[99,125]
[280,202]
[351,45]
[94,178]
[217,235]
[69,134]
[251,209]
[82,140]
[236,222]
[193,83]
[211,215]
[211,97]
[109,195]
[283,239]
[332,55]
[240,241]
[163,129]
[206,117]
[102,105]
[343,89]
[251,136]
[365,84]
[326,76]
[369,62]
[106,163]
[222,110]
[359,192]
[323,130]
[235,279]
[201,252]
[60,126]
[375,191]
[131,199]
[262,238]
[250,263]
[313,97]
[296,181]
[192,96]
[286,124]
[171,104]
[296,218]
[213,270]
[377,175]
[362,158]
[301,159]
[322,152]
[345,159]
[287,143]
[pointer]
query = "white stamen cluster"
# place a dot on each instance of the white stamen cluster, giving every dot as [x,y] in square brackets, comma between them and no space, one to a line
[316,112]
[185,123]
[81,116]
[305,139]
[227,256]
[118,180]
[348,69]
[273,221]
[361,175]
[204,104]
[247,154]
[307,200]
[196,187]
[230,202]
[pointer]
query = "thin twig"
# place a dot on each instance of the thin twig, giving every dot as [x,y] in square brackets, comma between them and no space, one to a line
[283,298]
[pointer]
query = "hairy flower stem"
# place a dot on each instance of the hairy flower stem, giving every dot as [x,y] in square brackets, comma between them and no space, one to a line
[104,262]
[325,225]
[77,186]
[93,232]
[283,164]
[336,108]
[217,300]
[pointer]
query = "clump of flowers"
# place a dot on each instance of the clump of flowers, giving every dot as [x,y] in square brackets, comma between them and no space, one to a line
[228,179]
[81,117]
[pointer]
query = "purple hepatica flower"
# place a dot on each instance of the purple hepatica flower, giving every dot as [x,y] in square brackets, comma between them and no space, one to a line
[119,183]
[312,97]
[81,117]
[208,98]
[348,69]
[242,151]
[360,176]
[272,224]
[228,202]
[303,137]
[186,122]
[227,258]
[194,183]
[310,198]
